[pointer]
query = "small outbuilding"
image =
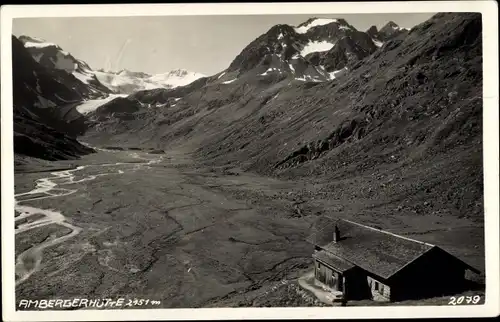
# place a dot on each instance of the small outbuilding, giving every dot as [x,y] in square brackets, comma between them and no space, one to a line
[364,262]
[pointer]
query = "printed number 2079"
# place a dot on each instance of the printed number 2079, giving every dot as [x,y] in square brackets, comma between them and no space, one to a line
[464,300]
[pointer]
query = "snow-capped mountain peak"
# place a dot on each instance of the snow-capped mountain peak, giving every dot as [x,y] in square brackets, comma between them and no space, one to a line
[129,73]
[53,57]
[176,77]
[36,42]
[313,22]
[315,50]
[128,82]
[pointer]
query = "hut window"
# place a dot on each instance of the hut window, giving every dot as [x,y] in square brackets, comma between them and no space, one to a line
[376,286]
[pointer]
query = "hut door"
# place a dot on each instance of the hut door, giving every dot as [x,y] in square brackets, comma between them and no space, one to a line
[328,275]
[336,281]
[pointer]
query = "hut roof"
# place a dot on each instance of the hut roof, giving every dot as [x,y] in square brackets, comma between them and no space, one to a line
[374,250]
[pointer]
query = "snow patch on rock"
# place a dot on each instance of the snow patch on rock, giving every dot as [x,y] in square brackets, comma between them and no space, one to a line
[229,81]
[377,43]
[39,44]
[338,73]
[316,46]
[91,105]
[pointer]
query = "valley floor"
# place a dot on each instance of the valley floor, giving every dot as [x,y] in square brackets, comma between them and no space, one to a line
[161,227]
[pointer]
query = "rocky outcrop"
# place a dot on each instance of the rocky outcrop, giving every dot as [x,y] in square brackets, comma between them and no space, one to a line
[346,52]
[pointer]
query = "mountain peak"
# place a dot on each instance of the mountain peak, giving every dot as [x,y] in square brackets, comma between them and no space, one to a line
[36,42]
[314,22]
[25,38]
[391,25]
[373,30]
[129,73]
[390,30]
[175,78]
[281,29]
[283,49]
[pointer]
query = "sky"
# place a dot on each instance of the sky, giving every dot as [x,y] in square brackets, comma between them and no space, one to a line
[204,44]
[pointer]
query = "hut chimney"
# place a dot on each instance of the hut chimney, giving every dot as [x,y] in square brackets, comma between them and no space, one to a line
[336,234]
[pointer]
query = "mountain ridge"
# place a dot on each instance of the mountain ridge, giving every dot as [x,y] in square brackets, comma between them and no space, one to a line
[128,82]
[395,105]
[102,82]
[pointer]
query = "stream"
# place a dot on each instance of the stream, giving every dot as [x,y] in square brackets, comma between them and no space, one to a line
[29,261]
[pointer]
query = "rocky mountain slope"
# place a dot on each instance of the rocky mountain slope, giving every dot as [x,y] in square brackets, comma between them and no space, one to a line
[44,126]
[314,51]
[318,50]
[401,124]
[79,77]
[53,91]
